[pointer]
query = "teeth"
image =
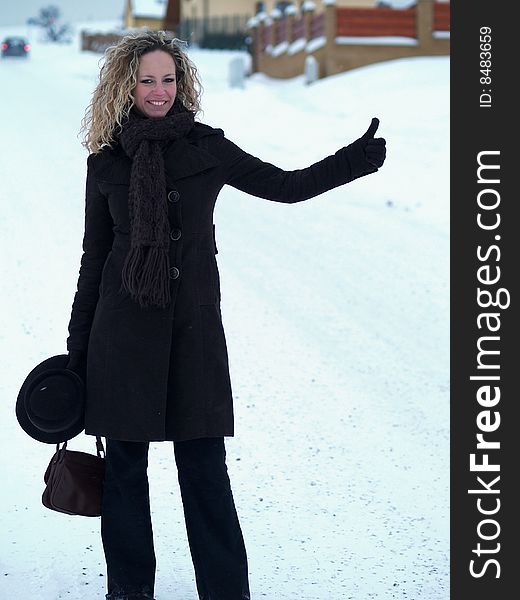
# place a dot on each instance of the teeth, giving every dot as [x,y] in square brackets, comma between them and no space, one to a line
[157,103]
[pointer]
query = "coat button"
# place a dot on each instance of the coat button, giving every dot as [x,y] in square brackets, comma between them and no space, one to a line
[173,196]
[174,272]
[175,234]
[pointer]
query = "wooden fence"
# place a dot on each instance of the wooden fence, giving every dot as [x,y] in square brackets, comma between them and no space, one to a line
[98,42]
[342,38]
[376,22]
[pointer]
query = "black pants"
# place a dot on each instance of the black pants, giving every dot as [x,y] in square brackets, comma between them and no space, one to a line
[214,534]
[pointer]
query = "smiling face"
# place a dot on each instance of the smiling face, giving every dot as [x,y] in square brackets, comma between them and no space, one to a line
[156,86]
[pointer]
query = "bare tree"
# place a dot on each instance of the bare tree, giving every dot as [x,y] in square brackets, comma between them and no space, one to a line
[48,20]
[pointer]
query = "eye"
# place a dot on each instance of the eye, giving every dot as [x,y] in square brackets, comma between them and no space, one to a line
[146,81]
[169,80]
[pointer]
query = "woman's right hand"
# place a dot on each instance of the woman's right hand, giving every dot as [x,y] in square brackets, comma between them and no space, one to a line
[78,363]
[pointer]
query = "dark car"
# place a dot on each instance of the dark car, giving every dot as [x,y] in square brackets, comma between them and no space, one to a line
[15,46]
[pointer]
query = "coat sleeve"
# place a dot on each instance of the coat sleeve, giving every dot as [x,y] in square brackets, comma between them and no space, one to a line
[254,176]
[97,243]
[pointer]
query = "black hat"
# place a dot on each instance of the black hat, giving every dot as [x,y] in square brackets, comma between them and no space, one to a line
[51,402]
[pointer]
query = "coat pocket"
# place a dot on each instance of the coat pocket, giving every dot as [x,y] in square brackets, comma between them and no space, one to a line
[207,278]
[110,287]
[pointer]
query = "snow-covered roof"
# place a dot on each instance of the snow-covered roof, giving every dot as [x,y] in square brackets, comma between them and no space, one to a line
[308,5]
[149,8]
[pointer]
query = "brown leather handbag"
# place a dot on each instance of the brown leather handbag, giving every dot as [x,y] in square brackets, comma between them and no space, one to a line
[74,481]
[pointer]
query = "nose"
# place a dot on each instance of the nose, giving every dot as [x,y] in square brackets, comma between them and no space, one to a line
[159,89]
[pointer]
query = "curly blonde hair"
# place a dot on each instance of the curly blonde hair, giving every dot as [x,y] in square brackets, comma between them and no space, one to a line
[113,99]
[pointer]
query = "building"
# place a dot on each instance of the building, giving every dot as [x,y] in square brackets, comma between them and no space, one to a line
[166,14]
[145,13]
[196,9]
[154,14]
[226,23]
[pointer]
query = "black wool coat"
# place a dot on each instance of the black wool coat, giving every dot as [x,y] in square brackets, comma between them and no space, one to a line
[162,373]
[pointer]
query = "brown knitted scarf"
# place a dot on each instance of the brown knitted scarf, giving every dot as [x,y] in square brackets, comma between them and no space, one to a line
[146,268]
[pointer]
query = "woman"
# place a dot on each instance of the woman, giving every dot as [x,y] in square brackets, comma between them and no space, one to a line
[146,328]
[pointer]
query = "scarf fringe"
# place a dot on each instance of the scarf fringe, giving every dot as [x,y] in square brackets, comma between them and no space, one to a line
[145,276]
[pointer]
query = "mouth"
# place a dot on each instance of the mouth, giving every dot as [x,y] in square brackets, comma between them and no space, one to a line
[157,103]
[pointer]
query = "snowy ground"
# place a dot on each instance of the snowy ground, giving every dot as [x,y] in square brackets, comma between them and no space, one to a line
[336,314]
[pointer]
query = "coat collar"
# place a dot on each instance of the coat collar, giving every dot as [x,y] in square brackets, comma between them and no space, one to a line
[182,158]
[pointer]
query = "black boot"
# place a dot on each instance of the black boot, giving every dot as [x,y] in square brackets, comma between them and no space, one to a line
[129,596]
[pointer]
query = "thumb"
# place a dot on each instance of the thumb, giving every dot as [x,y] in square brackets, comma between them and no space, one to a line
[371,130]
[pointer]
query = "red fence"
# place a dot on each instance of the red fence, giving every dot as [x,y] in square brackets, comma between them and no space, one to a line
[388,21]
[376,22]
[441,17]
[317,25]
[317,29]
[298,27]
[418,22]
[282,31]
[266,37]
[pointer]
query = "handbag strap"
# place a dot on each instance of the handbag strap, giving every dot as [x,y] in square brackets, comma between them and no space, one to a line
[100,448]
[60,453]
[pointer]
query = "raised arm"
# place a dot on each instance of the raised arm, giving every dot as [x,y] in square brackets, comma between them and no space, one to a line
[254,176]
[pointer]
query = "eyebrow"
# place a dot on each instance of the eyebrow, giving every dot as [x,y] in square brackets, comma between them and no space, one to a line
[152,76]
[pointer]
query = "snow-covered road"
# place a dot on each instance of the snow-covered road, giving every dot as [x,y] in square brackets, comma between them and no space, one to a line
[336,312]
